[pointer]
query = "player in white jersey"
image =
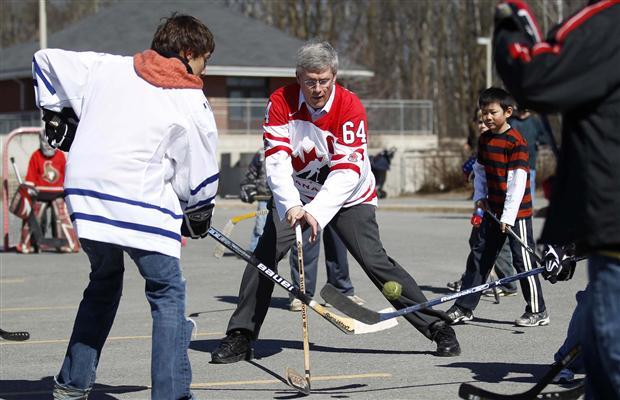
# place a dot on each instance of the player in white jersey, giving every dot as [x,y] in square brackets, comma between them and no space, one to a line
[141,172]
[315,135]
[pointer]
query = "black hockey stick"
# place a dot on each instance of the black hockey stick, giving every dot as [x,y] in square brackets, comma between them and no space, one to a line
[342,303]
[360,313]
[345,324]
[471,392]
[14,336]
[517,238]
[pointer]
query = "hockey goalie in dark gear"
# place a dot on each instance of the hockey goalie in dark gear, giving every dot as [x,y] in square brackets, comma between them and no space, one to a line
[42,204]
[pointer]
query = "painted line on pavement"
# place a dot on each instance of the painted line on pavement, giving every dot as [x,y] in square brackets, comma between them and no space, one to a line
[46,308]
[215,384]
[12,280]
[268,381]
[111,338]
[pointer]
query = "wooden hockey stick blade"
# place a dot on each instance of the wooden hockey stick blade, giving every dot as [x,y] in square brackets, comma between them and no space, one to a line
[345,324]
[218,252]
[471,392]
[297,382]
[14,336]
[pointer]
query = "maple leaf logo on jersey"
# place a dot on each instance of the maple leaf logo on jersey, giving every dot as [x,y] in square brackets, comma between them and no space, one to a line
[309,165]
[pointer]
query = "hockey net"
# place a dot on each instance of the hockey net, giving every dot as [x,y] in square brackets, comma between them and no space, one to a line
[19,145]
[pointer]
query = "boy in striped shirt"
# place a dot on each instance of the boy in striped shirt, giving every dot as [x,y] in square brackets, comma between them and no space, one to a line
[502,186]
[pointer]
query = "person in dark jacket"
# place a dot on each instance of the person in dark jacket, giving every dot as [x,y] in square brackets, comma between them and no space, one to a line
[576,72]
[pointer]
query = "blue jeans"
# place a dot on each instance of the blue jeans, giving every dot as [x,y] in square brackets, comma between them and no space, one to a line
[336,262]
[601,344]
[165,291]
[259,224]
[574,334]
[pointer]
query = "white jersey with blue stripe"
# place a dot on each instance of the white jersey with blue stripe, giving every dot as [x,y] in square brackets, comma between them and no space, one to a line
[144,151]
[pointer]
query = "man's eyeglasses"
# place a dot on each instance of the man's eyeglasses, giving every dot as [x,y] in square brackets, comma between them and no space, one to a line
[311,83]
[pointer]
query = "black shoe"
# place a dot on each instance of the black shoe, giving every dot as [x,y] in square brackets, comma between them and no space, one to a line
[458,314]
[455,286]
[444,336]
[234,347]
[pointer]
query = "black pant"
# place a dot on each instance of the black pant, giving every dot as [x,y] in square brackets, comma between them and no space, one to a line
[484,252]
[358,229]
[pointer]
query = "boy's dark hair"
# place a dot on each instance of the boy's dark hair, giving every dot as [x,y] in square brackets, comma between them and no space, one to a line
[182,32]
[496,95]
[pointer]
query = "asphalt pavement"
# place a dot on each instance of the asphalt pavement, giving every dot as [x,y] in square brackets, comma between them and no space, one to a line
[426,234]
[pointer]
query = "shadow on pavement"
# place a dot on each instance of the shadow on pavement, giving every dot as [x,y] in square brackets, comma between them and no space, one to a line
[495,372]
[268,347]
[276,302]
[42,390]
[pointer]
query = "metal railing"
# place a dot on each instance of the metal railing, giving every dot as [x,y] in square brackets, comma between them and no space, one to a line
[245,116]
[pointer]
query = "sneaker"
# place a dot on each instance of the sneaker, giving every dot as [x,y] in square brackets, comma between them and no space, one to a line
[444,336]
[564,376]
[502,292]
[455,286]
[458,314]
[234,347]
[357,300]
[62,392]
[533,319]
[295,305]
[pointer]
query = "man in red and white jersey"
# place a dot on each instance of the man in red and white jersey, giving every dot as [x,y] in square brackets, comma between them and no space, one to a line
[315,135]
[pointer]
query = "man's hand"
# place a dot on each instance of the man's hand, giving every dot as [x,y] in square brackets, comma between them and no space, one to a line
[314,225]
[294,214]
[60,128]
[558,264]
[482,203]
[196,222]
[503,227]
[248,193]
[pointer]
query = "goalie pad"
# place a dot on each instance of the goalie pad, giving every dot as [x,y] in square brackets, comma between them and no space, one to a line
[21,203]
[61,225]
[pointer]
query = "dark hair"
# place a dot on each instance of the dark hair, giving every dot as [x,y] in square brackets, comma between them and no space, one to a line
[182,32]
[496,95]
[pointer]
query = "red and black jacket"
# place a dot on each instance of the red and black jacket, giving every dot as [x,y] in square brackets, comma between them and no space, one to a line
[576,72]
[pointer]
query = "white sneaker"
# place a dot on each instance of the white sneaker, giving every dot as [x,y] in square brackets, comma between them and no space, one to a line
[295,305]
[357,300]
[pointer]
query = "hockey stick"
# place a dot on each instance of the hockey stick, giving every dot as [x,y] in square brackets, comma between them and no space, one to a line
[218,252]
[517,238]
[345,324]
[471,392]
[342,303]
[293,378]
[14,336]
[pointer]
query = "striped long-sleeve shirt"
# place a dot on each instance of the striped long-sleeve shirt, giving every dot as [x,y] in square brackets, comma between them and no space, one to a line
[504,159]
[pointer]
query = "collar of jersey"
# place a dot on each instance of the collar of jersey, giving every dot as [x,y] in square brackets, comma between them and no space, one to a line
[326,107]
[166,73]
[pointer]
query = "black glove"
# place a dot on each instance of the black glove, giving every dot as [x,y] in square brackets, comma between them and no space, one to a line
[559,265]
[60,128]
[196,222]
[247,193]
[515,15]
